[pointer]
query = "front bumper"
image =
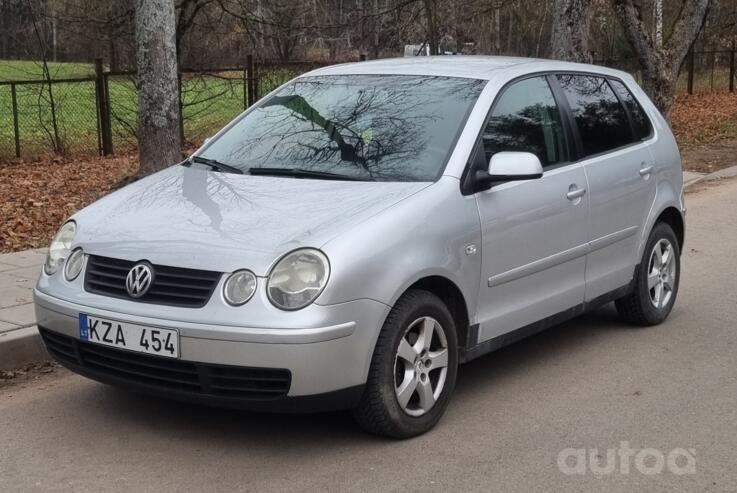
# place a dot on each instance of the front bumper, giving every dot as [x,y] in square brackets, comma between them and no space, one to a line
[327,365]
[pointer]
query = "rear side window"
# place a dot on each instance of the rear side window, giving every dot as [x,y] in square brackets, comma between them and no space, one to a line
[526,119]
[640,122]
[601,119]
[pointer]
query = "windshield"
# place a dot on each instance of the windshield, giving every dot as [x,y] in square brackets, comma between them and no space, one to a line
[393,128]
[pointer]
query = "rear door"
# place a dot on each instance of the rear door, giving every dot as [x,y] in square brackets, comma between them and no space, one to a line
[612,139]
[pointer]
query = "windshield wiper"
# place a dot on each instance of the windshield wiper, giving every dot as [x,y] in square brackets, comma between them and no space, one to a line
[303,173]
[216,165]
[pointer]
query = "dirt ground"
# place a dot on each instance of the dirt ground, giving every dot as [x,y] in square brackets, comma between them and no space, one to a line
[34,374]
[710,158]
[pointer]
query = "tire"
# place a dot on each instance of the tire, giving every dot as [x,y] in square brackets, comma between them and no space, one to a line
[642,306]
[391,374]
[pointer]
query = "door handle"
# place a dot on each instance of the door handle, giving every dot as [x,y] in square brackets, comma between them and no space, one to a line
[646,170]
[576,193]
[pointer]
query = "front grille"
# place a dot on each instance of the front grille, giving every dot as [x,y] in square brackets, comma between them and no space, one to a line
[170,374]
[173,286]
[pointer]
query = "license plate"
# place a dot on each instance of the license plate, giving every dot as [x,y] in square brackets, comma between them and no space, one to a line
[133,337]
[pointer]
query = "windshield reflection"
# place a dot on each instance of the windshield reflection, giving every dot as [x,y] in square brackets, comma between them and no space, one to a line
[397,128]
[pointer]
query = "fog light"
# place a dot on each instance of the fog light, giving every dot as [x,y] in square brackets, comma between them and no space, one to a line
[74,264]
[239,287]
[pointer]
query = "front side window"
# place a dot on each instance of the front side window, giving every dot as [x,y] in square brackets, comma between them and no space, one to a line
[601,120]
[640,121]
[525,118]
[372,127]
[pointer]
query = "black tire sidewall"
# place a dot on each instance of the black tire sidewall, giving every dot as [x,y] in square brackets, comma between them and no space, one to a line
[421,304]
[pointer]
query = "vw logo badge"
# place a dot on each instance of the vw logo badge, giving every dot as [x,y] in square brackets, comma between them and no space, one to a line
[139,280]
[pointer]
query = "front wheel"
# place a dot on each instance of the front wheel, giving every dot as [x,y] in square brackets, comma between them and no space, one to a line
[413,369]
[656,285]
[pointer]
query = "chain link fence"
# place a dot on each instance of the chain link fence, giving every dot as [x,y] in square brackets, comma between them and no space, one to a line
[702,71]
[98,115]
[39,117]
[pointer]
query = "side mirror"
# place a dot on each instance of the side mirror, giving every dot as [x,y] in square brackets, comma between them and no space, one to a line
[510,166]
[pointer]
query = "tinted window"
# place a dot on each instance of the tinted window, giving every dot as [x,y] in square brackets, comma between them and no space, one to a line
[601,119]
[640,122]
[394,128]
[526,119]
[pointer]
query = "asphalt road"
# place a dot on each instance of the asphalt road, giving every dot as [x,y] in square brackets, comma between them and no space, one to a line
[592,383]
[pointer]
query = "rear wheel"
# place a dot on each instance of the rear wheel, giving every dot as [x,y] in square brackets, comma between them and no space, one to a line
[657,280]
[413,369]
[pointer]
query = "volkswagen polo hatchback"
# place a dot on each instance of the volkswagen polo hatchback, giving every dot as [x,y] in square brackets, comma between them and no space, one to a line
[352,238]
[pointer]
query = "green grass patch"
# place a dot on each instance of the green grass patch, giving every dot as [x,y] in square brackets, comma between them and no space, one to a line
[33,70]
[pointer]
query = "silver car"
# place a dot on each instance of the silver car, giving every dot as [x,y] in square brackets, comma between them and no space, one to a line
[351,239]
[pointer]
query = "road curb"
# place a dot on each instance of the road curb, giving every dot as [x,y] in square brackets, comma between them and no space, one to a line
[21,347]
[730,172]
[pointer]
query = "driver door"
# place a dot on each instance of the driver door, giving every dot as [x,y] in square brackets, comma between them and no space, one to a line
[534,233]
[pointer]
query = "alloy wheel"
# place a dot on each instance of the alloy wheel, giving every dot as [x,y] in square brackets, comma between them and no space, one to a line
[420,366]
[661,276]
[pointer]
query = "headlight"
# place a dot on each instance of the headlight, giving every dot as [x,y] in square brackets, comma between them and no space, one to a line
[239,287]
[74,265]
[60,247]
[298,279]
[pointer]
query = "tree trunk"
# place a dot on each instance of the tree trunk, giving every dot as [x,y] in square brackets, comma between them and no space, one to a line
[658,14]
[159,142]
[569,39]
[433,38]
[661,64]
[497,31]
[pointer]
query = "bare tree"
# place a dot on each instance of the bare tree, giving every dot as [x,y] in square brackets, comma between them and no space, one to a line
[661,64]
[433,37]
[158,86]
[569,39]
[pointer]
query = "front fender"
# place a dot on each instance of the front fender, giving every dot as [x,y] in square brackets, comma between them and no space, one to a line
[423,235]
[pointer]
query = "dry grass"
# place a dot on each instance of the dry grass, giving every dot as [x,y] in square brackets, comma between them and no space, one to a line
[38,196]
[704,119]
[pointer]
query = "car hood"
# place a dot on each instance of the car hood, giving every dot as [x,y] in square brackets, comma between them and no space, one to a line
[219,221]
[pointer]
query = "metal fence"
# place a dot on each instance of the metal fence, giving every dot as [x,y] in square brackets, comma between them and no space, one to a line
[38,117]
[702,71]
[98,115]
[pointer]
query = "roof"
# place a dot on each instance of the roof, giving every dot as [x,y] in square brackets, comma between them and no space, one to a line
[467,66]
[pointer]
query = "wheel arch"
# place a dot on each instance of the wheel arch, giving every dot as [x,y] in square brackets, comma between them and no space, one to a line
[452,296]
[672,217]
[667,207]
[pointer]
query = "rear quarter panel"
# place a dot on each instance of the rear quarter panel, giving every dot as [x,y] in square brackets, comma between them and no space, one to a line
[667,161]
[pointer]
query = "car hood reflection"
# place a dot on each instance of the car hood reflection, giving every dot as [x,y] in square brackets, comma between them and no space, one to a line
[216,221]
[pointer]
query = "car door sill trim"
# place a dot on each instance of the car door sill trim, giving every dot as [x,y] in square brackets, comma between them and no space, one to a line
[468,354]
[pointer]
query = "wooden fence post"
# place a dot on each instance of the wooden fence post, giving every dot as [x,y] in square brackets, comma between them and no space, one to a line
[246,85]
[16,132]
[690,70]
[181,109]
[255,81]
[731,68]
[105,130]
[249,74]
